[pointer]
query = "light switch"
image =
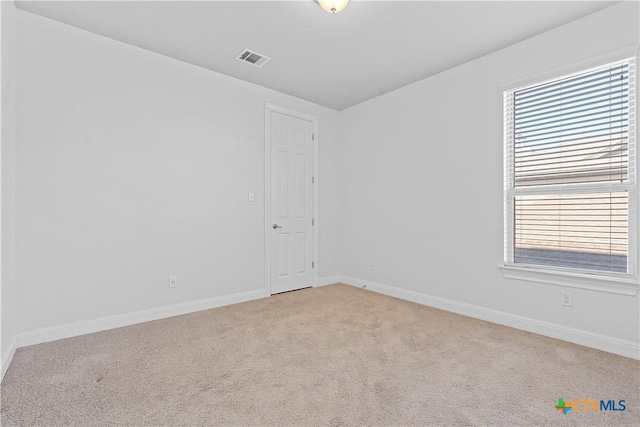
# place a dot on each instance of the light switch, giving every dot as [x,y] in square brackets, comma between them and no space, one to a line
[252,196]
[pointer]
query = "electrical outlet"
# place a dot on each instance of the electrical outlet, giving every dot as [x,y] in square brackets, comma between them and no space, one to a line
[173,281]
[566,299]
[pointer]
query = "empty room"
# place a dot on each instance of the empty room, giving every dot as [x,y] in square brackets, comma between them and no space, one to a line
[319,212]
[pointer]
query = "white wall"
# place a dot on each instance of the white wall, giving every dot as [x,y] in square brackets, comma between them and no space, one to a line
[7,156]
[423,187]
[131,167]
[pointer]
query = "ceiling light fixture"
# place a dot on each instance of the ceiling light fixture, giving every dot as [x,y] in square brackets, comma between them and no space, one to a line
[333,6]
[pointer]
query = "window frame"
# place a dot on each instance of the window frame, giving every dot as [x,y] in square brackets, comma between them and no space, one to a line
[619,283]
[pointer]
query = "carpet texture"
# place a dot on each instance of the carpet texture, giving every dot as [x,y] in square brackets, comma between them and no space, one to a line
[335,355]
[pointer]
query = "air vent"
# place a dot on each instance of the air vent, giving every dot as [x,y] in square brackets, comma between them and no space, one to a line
[253,58]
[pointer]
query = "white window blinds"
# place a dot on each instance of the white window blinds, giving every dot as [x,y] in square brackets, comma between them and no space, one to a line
[570,171]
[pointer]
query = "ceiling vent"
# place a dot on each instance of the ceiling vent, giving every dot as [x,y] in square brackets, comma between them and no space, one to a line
[253,58]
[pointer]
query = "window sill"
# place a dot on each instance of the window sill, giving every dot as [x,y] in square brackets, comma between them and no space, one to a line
[609,284]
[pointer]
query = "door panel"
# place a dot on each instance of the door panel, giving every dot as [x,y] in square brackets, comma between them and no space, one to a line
[301,258]
[301,179]
[282,190]
[291,202]
[283,254]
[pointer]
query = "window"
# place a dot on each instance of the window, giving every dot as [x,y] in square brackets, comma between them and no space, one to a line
[570,178]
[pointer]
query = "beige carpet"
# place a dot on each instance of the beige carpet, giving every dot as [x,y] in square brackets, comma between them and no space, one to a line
[335,355]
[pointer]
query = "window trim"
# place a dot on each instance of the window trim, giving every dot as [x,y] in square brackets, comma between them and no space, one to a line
[617,283]
[596,282]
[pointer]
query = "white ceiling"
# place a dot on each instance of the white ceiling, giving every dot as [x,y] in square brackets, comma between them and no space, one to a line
[371,48]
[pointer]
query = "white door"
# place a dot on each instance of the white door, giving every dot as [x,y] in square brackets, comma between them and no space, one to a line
[291,224]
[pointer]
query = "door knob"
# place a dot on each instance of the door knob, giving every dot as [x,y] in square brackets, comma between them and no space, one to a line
[274,226]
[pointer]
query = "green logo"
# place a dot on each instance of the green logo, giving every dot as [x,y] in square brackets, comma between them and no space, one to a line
[563,407]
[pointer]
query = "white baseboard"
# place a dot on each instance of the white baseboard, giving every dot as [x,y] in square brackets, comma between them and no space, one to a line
[601,342]
[7,357]
[329,280]
[577,336]
[111,322]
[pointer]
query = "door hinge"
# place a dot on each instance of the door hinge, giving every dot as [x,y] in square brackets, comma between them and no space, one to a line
[313,179]
[313,264]
[313,136]
[313,221]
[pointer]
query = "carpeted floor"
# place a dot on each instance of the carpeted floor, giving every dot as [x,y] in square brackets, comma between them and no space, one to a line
[335,355]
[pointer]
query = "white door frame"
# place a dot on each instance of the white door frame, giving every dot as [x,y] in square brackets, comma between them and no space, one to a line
[269,108]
